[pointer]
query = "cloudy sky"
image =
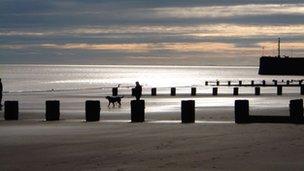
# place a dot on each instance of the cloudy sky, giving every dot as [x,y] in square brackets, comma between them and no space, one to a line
[175,32]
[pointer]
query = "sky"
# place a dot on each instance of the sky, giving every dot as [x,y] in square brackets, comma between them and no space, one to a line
[153,32]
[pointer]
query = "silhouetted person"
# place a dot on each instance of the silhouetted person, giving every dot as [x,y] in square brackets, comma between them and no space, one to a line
[1,91]
[137,90]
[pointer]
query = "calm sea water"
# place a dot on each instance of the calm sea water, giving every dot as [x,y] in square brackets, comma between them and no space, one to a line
[18,78]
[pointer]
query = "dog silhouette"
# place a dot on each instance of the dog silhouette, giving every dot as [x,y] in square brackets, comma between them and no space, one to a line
[114,99]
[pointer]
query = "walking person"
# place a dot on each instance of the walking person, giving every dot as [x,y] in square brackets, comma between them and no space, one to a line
[137,90]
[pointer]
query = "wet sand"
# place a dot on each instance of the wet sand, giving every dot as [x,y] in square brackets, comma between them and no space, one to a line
[213,143]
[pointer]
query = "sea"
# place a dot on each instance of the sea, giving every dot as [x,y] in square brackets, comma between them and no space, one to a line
[27,78]
[31,85]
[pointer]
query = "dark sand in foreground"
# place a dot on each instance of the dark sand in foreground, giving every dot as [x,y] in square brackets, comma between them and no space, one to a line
[36,145]
[115,144]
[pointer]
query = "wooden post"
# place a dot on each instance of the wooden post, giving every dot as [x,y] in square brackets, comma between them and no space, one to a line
[52,110]
[193,91]
[115,91]
[302,89]
[252,83]
[133,91]
[287,82]
[241,112]
[296,110]
[92,109]
[229,83]
[137,111]
[240,83]
[257,91]
[235,91]
[173,91]
[263,82]
[153,91]
[217,83]
[188,111]
[206,83]
[11,110]
[214,91]
[279,90]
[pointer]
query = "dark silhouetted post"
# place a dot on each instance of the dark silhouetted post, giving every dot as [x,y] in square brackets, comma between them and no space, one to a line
[115,91]
[153,92]
[193,91]
[287,82]
[92,110]
[11,110]
[302,89]
[214,91]
[300,82]
[188,111]
[133,91]
[240,83]
[275,82]
[206,83]
[1,93]
[296,110]
[257,91]
[252,83]
[241,111]
[137,111]
[235,91]
[263,82]
[52,110]
[279,90]
[229,83]
[173,91]
[217,83]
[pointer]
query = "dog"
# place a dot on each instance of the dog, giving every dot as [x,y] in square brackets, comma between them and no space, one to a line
[114,99]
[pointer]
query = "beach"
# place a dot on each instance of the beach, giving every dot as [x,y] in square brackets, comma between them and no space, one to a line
[214,142]
[125,146]
[162,142]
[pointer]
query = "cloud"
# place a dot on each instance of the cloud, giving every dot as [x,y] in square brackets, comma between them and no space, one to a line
[14,47]
[109,47]
[148,28]
[22,33]
[203,30]
[135,48]
[66,13]
[229,30]
[230,11]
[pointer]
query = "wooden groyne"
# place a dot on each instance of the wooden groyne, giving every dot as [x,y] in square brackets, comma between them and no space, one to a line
[254,83]
[242,114]
[235,90]
[137,113]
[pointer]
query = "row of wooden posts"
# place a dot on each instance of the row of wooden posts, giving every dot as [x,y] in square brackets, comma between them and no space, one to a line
[257,91]
[253,83]
[295,113]
[92,111]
